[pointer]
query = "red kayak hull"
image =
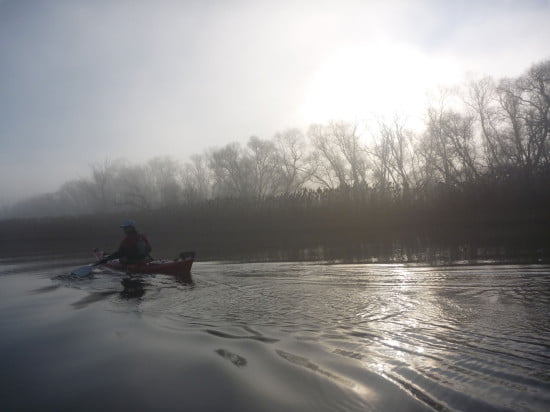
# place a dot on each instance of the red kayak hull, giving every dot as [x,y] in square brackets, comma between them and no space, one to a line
[180,267]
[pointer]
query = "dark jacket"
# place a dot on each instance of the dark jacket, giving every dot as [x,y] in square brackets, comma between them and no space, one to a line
[134,248]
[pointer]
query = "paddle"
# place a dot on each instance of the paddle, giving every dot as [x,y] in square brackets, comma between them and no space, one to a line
[84,270]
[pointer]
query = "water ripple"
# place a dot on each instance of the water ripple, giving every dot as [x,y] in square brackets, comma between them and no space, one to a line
[455,338]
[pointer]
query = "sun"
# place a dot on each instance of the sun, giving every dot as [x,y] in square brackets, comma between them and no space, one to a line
[383,80]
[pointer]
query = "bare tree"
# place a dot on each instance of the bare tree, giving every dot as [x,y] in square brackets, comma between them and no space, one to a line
[102,185]
[135,188]
[525,104]
[381,163]
[482,99]
[339,156]
[535,86]
[394,156]
[514,120]
[232,171]
[266,173]
[196,180]
[294,166]
[165,175]
[75,196]
[449,146]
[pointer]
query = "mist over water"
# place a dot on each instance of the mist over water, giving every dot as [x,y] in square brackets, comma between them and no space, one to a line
[276,336]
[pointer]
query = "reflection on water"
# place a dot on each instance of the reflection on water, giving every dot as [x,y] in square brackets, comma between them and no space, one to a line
[236,360]
[230,336]
[133,288]
[92,298]
[285,336]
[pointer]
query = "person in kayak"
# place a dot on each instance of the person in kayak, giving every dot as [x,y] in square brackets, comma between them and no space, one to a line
[134,248]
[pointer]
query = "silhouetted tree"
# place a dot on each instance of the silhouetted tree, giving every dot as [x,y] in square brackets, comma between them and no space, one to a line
[483,100]
[393,157]
[232,172]
[196,180]
[75,196]
[450,136]
[339,158]
[165,174]
[102,185]
[135,188]
[266,173]
[294,165]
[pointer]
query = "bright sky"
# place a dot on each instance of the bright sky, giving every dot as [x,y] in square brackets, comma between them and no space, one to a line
[86,80]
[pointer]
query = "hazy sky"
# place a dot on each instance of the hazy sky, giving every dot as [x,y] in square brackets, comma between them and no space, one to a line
[83,81]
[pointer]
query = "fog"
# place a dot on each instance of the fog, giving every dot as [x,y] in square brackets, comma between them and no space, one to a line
[82,82]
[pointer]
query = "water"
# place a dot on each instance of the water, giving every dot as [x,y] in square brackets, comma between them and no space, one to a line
[273,337]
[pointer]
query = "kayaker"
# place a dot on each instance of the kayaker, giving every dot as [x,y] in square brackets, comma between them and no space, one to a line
[134,248]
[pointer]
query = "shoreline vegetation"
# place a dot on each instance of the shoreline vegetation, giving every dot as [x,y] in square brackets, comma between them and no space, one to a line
[504,224]
[473,186]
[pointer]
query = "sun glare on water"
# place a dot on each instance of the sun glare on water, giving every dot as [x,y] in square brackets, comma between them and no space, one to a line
[362,81]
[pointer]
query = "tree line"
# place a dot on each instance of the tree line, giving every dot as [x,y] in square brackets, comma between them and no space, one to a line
[479,170]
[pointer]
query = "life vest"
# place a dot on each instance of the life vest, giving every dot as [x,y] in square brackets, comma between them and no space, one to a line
[135,246]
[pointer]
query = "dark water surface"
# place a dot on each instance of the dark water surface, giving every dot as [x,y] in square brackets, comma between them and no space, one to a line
[274,337]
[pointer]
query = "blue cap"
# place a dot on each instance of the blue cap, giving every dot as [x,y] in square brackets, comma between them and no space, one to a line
[128,223]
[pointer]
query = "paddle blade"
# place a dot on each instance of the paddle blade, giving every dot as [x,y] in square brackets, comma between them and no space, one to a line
[83,271]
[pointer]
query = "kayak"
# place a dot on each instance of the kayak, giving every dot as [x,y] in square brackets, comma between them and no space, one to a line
[178,267]
[181,266]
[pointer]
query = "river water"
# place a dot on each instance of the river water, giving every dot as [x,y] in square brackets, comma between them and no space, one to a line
[274,337]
